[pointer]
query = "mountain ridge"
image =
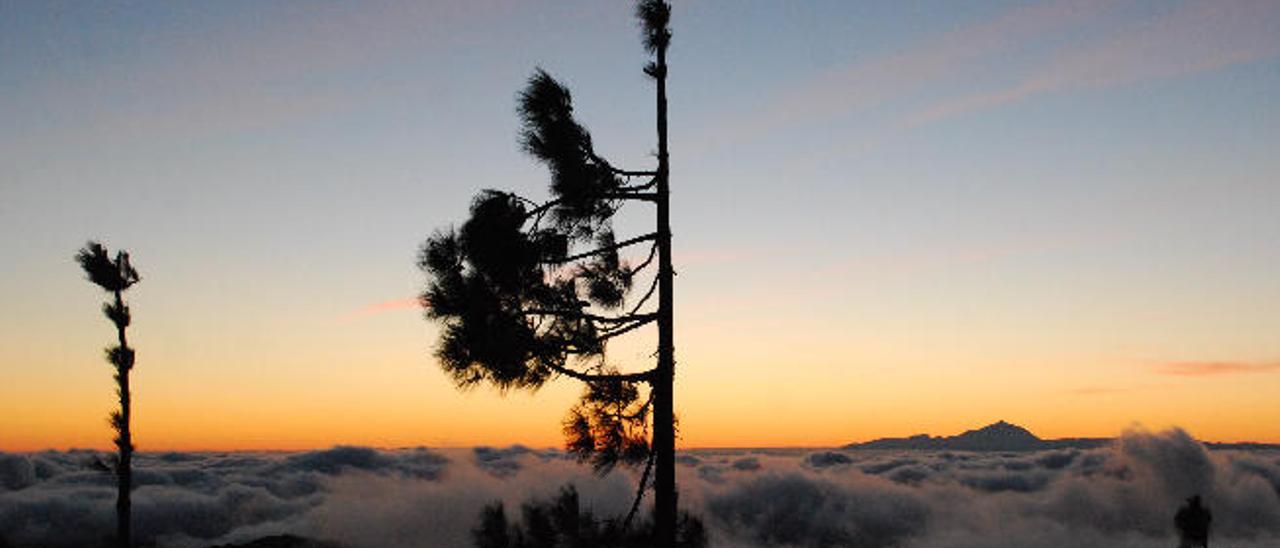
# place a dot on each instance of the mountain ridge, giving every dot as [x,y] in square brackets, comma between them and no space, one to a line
[999,436]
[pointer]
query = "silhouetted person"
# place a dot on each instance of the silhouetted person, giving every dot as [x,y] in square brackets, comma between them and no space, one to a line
[1192,521]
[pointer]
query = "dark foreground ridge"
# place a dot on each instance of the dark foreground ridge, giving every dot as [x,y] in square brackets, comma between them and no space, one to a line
[283,541]
[1003,436]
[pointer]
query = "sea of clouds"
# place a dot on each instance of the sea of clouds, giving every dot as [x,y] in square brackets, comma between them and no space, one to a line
[1124,495]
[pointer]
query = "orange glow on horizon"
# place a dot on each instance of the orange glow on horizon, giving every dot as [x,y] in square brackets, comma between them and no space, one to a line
[421,413]
[370,380]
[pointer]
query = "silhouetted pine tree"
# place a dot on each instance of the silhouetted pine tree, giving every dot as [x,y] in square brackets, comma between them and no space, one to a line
[115,276]
[526,291]
[561,522]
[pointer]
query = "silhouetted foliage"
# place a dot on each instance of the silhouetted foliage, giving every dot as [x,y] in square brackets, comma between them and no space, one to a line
[561,522]
[654,17]
[491,277]
[609,425]
[526,291]
[115,275]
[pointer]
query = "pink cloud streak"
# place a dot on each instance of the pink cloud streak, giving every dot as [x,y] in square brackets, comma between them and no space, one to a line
[1208,369]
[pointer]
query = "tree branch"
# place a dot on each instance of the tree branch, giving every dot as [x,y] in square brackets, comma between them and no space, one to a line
[626,193]
[640,489]
[649,318]
[595,377]
[653,286]
[625,173]
[541,209]
[640,196]
[647,237]
[513,195]
[593,317]
[644,409]
[652,183]
[653,252]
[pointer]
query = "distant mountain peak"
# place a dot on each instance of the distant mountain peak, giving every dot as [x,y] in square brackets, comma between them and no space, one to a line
[997,436]
[1002,436]
[1002,429]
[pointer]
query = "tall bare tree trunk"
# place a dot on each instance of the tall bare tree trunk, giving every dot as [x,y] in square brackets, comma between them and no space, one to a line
[124,442]
[664,440]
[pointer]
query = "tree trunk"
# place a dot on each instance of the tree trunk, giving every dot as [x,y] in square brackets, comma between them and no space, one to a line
[124,443]
[664,440]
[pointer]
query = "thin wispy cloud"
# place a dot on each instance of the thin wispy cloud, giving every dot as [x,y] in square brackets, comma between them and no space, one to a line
[869,83]
[1051,47]
[1216,368]
[1199,36]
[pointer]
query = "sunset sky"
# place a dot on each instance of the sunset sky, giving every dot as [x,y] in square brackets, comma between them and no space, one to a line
[889,218]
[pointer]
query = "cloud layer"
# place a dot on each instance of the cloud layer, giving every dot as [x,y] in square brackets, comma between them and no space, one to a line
[1123,495]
